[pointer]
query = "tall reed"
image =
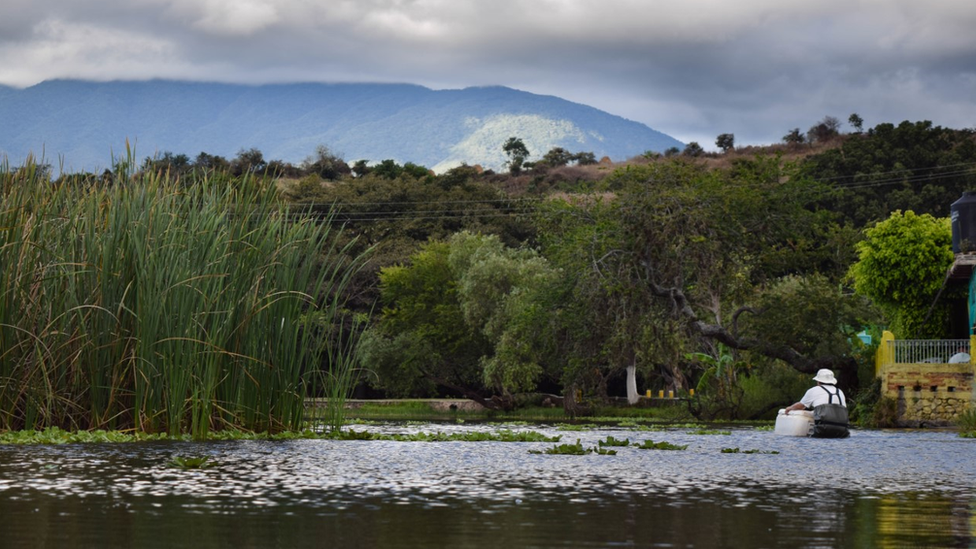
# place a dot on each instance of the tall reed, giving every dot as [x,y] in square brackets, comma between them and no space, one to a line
[158,306]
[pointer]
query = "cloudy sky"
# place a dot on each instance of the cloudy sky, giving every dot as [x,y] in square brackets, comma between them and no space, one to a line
[690,68]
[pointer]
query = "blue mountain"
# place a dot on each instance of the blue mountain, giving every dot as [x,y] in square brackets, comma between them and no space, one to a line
[82,125]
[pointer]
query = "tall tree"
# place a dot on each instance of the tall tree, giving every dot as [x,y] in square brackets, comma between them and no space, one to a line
[517,153]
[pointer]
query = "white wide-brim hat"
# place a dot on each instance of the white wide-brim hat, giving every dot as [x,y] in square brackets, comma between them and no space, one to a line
[826,376]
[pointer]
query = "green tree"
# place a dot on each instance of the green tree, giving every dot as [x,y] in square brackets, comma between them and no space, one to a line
[453,319]
[693,149]
[726,142]
[678,255]
[794,137]
[557,156]
[248,161]
[584,158]
[901,267]
[360,168]
[856,122]
[517,153]
[422,341]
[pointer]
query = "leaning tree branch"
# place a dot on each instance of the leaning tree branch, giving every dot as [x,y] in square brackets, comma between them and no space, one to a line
[791,356]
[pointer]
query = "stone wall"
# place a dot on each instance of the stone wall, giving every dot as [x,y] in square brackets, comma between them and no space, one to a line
[928,394]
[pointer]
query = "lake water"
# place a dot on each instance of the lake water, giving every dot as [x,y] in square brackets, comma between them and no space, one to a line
[875,489]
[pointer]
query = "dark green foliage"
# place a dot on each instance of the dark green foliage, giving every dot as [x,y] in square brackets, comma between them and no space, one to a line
[693,149]
[726,142]
[912,166]
[794,137]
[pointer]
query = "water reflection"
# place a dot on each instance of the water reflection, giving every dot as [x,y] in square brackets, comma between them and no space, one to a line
[876,489]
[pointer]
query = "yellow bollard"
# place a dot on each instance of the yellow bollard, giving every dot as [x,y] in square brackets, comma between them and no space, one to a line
[648,393]
[691,392]
[670,394]
[660,394]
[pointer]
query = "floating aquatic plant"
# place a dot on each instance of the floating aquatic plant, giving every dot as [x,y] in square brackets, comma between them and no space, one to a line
[576,449]
[577,427]
[651,445]
[709,432]
[738,451]
[610,441]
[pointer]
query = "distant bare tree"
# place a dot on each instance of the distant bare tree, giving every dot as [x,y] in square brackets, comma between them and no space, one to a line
[824,131]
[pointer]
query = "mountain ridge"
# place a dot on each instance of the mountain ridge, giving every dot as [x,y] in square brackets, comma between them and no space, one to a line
[84,124]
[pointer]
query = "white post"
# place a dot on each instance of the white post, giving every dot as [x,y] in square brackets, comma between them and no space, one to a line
[632,396]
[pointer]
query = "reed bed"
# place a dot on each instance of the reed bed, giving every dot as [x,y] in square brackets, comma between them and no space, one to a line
[162,307]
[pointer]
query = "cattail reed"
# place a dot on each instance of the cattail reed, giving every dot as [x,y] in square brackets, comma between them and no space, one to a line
[145,303]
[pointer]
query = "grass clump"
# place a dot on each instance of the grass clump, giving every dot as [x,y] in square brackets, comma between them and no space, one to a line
[966,422]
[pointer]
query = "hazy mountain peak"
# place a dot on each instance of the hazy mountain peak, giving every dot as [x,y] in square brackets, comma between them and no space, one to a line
[79,123]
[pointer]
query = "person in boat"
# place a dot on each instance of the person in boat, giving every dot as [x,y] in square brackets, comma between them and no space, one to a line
[825,392]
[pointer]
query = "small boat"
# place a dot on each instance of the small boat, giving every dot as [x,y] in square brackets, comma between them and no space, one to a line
[798,423]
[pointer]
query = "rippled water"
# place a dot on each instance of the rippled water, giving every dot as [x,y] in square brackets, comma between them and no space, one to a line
[875,489]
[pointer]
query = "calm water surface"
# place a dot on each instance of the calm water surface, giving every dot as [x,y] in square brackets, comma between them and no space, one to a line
[875,489]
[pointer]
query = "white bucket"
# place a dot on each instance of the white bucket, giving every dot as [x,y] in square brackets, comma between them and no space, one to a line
[798,423]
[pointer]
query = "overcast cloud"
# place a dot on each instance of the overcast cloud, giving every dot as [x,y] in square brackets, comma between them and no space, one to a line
[690,68]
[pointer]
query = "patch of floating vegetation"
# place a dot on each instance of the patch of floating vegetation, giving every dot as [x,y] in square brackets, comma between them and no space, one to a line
[503,435]
[610,441]
[576,449]
[650,428]
[738,451]
[709,432]
[651,445]
[54,435]
[577,427]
